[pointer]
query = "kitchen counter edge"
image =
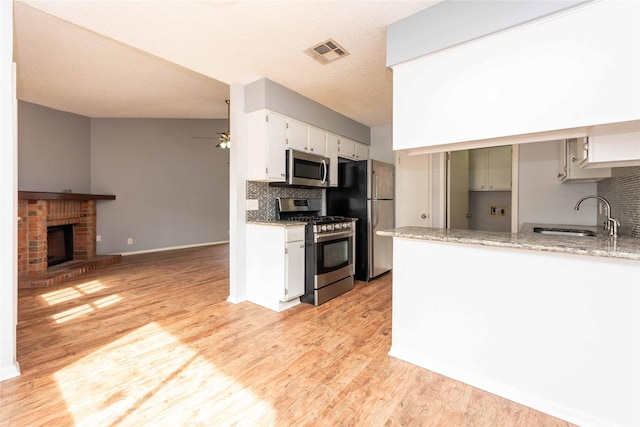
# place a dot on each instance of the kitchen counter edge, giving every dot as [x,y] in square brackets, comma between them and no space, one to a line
[278,223]
[623,247]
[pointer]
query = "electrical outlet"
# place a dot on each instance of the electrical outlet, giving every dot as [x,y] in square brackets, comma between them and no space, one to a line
[130,241]
[498,211]
[252,204]
[98,238]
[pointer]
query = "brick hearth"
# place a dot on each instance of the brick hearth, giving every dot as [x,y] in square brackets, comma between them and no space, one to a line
[36,212]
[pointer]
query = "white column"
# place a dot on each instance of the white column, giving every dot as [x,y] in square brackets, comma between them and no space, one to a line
[8,196]
[237,196]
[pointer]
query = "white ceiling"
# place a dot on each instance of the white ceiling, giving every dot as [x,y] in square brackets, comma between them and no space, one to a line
[175,59]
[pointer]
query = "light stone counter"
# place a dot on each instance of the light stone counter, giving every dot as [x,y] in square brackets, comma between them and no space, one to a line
[624,247]
[278,223]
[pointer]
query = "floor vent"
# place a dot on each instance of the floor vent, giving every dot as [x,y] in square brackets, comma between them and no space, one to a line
[327,51]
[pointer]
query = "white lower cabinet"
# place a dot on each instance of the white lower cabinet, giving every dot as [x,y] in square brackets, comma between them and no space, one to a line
[275,273]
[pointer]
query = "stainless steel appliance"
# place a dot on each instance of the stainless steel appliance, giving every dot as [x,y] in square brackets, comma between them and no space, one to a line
[365,191]
[329,249]
[306,169]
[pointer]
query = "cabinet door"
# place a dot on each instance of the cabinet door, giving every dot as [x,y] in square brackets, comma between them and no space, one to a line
[499,168]
[572,163]
[478,169]
[317,141]
[615,150]
[297,135]
[276,147]
[346,148]
[294,270]
[361,151]
[332,154]
[562,160]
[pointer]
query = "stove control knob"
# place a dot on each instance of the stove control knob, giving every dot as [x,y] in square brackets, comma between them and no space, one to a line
[330,227]
[323,228]
[338,226]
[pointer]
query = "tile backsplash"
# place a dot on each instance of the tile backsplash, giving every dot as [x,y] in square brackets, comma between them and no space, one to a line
[622,190]
[267,195]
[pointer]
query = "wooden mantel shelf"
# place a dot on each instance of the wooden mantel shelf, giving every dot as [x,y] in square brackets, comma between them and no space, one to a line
[44,195]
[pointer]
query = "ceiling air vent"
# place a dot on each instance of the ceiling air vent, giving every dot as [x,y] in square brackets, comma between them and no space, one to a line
[327,51]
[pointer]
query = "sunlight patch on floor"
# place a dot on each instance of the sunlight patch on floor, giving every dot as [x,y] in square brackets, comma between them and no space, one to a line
[72,292]
[150,377]
[72,313]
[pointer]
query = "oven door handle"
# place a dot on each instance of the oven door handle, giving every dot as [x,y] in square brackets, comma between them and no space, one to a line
[318,238]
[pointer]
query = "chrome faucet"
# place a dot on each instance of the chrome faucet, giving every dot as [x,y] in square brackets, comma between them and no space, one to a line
[612,224]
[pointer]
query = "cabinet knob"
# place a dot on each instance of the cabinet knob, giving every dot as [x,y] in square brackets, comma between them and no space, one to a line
[423,216]
[302,245]
[312,149]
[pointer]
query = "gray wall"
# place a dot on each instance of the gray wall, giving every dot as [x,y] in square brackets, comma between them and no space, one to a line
[449,23]
[265,93]
[622,190]
[171,189]
[544,199]
[479,203]
[53,150]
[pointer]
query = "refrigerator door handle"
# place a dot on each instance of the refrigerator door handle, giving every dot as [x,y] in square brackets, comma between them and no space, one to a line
[375,175]
[377,214]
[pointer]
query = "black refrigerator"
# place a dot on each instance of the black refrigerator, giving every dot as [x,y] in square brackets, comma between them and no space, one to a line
[365,192]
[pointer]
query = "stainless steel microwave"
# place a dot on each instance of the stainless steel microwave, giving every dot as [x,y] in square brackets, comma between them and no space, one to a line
[306,169]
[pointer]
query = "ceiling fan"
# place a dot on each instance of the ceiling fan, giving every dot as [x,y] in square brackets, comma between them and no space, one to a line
[224,138]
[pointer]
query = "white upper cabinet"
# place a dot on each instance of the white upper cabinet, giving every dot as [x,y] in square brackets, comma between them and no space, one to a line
[361,151]
[297,135]
[569,71]
[622,149]
[490,169]
[304,137]
[267,135]
[271,134]
[350,149]
[317,141]
[332,154]
[570,152]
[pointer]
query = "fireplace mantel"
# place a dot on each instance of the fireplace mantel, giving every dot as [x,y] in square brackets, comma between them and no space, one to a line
[45,195]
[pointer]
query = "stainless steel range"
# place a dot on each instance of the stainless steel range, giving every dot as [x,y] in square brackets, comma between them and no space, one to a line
[329,249]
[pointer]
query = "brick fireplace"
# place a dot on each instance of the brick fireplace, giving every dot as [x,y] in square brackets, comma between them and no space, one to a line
[39,210]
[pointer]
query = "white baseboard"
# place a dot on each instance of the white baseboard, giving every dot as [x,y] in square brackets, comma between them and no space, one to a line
[487,384]
[170,248]
[236,300]
[10,371]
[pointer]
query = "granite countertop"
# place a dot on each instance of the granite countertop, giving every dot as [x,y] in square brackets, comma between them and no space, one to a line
[624,247]
[278,223]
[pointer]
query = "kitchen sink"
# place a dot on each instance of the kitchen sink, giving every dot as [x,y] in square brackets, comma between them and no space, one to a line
[563,231]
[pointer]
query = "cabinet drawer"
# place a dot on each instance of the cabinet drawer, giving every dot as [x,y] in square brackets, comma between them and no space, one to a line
[294,234]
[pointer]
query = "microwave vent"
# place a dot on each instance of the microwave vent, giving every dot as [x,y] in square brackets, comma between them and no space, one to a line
[327,51]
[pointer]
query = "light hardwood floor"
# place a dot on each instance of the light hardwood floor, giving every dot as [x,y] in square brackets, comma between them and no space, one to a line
[152,341]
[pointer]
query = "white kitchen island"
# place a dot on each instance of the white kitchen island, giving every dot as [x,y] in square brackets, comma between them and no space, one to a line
[550,322]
